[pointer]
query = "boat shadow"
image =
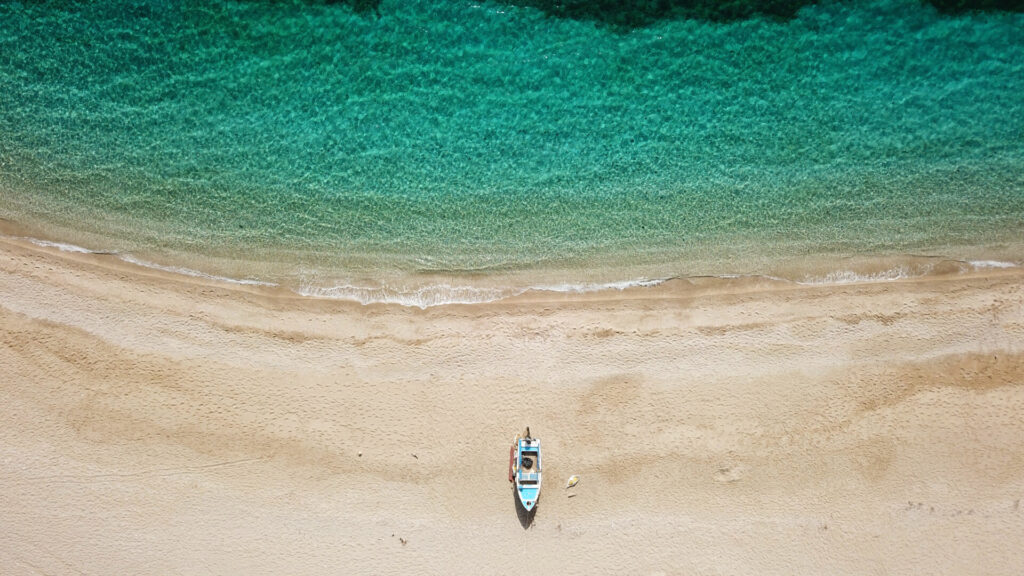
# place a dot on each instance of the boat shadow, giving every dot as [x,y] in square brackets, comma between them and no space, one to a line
[525,518]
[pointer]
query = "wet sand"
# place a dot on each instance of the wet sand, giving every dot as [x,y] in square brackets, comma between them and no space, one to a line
[160,424]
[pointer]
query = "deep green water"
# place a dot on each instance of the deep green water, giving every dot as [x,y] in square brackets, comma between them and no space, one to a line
[452,136]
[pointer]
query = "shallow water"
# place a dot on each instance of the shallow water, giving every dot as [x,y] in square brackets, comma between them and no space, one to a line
[453,143]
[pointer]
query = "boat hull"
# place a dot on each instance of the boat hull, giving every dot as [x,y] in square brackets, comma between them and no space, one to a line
[526,471]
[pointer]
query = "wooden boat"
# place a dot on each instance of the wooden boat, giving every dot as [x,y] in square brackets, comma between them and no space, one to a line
[525,469]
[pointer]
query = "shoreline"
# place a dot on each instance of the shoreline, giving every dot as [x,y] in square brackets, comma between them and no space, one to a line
[737,426]
[428,291]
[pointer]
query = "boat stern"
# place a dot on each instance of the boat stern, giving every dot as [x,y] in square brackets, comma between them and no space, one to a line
[528,497]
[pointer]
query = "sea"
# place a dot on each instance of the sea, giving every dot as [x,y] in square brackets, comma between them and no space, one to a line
[454,151]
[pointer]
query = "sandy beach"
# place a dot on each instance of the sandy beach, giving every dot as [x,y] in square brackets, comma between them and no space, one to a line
[160,424]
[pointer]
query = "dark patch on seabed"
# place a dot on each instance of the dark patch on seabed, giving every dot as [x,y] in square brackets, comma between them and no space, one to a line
[638,13]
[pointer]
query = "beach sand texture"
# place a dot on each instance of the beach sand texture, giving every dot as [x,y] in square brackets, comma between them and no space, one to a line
[159,424]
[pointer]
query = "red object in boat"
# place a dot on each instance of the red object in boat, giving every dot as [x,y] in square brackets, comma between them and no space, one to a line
[511,460]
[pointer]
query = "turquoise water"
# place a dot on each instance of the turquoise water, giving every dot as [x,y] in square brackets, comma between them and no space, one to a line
[315,143]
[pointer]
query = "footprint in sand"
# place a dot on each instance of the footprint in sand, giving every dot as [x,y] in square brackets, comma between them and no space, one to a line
[731,473]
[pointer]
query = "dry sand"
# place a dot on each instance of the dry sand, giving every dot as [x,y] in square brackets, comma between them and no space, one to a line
[159,424]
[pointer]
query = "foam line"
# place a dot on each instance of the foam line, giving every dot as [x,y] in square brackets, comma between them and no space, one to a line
[991,264]
[428,296]
[423,297]
[194,273]
[851,277]
[64,247]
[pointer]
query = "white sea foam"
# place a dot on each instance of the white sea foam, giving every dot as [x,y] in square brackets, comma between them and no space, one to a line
[851,277]
[194,273]
[897,273]
[583,288]
[991,264]
[61,246]
[445,294]
[145,264]
[422,297]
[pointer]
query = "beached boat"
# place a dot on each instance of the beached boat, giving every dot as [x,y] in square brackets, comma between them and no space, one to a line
[524,469]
